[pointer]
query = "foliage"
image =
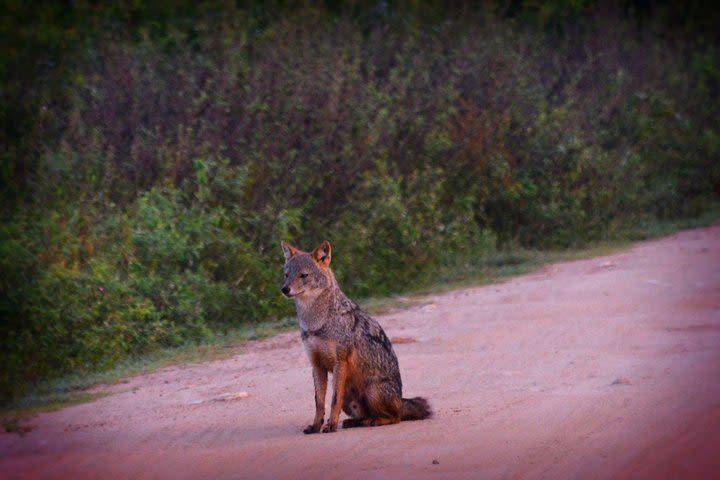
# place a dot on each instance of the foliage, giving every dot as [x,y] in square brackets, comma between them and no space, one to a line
[156,153]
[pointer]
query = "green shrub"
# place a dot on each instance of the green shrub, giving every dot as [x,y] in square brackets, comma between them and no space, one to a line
[155,158]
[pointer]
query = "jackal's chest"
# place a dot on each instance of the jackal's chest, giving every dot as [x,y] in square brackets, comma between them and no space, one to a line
[322,352]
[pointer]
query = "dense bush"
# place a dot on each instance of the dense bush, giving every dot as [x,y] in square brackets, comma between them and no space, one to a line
[152,178]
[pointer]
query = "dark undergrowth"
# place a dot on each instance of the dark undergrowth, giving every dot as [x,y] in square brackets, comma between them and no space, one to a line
[56,393]
[154,155]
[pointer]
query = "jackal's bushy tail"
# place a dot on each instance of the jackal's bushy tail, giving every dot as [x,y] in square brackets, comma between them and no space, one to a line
[415,409]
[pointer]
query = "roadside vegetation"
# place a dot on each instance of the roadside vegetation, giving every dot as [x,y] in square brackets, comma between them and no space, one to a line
[154,155]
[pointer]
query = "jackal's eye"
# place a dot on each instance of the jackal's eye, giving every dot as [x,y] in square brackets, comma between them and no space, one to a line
[303,275]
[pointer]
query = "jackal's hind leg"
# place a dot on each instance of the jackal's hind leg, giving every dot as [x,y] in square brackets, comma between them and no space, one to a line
[383,406]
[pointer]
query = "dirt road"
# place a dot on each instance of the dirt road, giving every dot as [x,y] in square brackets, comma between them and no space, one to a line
[600,368]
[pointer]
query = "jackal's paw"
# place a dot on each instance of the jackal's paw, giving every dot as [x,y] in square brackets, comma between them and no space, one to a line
[329,427]
[352,423]
[311,429]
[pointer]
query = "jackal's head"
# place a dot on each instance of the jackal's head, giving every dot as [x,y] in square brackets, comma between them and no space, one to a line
[307,274]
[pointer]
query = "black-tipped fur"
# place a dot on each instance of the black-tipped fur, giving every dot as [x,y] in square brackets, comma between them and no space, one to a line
[415,409]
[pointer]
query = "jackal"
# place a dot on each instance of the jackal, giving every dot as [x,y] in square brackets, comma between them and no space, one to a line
[342,339]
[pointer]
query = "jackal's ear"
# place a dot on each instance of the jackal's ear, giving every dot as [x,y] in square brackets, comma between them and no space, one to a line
[323,253]
[288,250]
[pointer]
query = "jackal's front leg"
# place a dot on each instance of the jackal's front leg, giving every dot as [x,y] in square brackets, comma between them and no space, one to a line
[339,376]
[320,382]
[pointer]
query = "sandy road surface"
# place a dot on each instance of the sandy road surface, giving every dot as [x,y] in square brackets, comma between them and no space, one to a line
[601,368]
